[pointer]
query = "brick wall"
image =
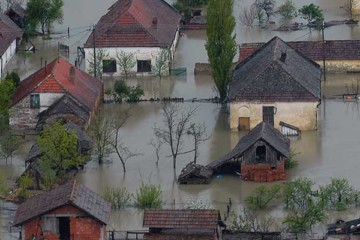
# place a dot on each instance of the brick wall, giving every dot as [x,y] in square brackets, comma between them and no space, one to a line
[263,172]
[82,227]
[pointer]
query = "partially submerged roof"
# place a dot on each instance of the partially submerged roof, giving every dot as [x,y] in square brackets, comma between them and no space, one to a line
[334,49]
[137,23]
[193,172]
[263,131]
[18,9]
[55,78]
[9,32]
[182,219]
[276,72]
[71,193]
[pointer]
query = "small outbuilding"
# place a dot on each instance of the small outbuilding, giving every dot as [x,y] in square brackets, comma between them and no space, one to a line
[201,224]
[259,156]
[70,211]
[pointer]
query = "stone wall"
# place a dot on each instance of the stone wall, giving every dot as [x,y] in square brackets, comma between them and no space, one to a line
[22,116]
[302,115]
[263,172]
[81,226]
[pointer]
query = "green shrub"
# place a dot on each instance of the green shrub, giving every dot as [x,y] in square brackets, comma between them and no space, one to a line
[263,197]
[149,196]
[123,92]
[25,182]
[118,197]
[291,162]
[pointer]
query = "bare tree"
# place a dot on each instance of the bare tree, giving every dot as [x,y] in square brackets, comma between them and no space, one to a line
[156,144]
[161,63]
[123,152]
[267,6]
[97,65]
[100,131]
[126,62]
[176,122]
[248,15]
[347,7]
[198,132]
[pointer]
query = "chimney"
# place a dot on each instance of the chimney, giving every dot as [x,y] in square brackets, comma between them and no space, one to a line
[72,74]
[154,21]
[283,57]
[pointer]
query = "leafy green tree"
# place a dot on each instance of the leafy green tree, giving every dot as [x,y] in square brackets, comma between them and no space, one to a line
[263,197]
[118,197]
[311,13]
[9,143]
[59,152]
[305,207]
[149,196]
[266,6]
[287,10]
[25,182]
[339,194]
[126,62]
[123,92]
[7,88]
[221,44]
[13,76]
[161,63]
[44,13]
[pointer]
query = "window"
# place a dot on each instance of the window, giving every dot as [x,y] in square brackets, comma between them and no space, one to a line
[268,114]
[50,224]
[34,101]
[144,65]
[109,66]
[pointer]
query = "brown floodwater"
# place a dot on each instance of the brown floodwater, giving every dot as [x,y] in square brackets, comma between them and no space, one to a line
[332,151]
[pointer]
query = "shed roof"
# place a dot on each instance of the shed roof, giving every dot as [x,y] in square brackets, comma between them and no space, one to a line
[276,72]
[263,131]
[18,9]
[182,219]
[55,78]
[137,23]
[9,31]
[71,193]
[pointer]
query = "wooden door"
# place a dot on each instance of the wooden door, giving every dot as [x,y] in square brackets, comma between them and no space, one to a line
[244,124]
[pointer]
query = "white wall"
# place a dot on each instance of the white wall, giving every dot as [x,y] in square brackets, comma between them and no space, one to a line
[141,53]
[47,99]
[10,51]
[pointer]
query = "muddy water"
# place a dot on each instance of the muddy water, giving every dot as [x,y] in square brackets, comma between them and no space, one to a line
[332,151]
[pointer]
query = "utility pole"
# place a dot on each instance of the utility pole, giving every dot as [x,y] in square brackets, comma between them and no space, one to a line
[94,45]
[323,43]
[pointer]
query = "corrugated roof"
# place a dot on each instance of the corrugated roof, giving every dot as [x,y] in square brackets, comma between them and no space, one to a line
[55,78]
[265,76]
[182,219]
[131,23]
[71,193]
[263,131]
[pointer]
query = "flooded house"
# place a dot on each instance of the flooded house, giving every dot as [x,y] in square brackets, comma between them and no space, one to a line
[70,211]
[259,156]
[10,38]
[59,89]
[202,224]
[140,27]
[276,83]
[17,14]
[340,55]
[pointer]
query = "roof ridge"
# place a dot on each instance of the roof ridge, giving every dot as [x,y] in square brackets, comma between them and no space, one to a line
[72,190]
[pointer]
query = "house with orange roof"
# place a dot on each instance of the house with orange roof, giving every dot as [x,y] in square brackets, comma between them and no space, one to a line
[58,89]
[141,27]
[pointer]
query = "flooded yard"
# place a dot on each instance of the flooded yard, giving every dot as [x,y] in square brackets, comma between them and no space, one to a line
[332,151]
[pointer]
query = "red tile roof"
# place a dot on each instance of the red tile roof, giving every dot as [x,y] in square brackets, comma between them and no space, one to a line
[71,193]
[182,219]
[9,31]
[130,23]
[178,236]
[334,49]
[55,78]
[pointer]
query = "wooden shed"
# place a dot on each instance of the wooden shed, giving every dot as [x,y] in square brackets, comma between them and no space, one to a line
[259,156]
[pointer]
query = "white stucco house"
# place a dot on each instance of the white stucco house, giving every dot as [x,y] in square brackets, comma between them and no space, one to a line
[276,84]
[141,27]
[10,37]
